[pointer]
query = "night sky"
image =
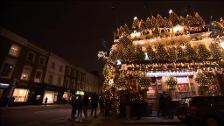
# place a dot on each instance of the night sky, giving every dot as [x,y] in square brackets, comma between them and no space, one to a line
[77,30]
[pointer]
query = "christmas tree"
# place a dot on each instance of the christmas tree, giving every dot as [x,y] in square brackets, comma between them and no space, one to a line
[203,52]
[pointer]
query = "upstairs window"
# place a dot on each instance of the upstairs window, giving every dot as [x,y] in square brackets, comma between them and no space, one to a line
[14,50]
[61,68]
[42,60]
[26,73]
[38,76]
[59,80]
[7,69]
[53,65]
[50,79]
[31,56]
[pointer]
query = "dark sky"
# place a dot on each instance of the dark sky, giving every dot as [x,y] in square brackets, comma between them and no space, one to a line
[76,30]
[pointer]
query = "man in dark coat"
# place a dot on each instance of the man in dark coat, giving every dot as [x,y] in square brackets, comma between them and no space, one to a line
[94,103]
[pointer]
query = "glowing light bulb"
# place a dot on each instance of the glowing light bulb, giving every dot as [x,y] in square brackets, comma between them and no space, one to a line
[170,11]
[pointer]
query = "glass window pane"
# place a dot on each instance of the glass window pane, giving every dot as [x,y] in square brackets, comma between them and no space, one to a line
[20,95]
[14,50]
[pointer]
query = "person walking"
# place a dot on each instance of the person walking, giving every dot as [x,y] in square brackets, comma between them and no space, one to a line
[94,103]
[102,103]
[161,105]
[74,107]
[45,101]
[85,105]
[79,107]
[127,104]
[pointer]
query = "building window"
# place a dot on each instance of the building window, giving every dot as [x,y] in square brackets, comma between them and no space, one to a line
[42,60]
[20,95]
[38,76]
[7,70]
[66,96]
[50,97]
[14,50]
[61,68]
[59,80]
[31,56]
[53,65]
[50,79]
[26,73]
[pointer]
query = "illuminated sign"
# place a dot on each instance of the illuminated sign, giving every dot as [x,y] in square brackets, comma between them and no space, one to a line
[169,73]
[3,85]
[183,80]
[80,93]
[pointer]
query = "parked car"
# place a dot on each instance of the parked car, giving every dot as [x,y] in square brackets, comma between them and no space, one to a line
[202,110]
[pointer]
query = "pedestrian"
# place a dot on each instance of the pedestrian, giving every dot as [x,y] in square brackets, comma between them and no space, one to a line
[127,103]
[74,108]
[170,107]
[79,107]
[107,107]
[94,104]
[85,105]
[102,104]
[122,104]
[161,105]
[45,101]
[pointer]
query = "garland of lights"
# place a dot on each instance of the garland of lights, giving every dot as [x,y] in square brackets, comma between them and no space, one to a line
[166,45]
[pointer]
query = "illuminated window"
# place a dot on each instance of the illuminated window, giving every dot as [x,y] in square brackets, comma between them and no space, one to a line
[38,76]
[31,56]
[65,96]
[26,73]
[20,95]
[14,50]
[51,97]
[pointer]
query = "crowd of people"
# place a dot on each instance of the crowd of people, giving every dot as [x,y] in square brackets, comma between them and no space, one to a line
[129,106]
[82,104]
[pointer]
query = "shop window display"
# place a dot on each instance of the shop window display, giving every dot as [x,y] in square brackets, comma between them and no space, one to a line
[20,95]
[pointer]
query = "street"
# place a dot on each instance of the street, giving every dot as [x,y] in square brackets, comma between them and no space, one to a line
[56,115]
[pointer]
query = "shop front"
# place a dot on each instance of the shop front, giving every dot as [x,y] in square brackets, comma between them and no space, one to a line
[50,97]
[20,95]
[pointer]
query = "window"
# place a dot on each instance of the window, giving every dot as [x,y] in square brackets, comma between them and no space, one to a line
[61,68]
[59,80]
[38,76]
[26,73]
[20,95]
[31,56]
[42,60]
[50,97]
[7,70]
[50,79]
[14,50]
[68,71]
[52,65]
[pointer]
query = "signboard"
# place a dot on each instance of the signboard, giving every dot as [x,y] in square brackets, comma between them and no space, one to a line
[80,93]
[4,85]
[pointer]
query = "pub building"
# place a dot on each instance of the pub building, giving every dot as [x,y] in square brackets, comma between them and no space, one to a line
[180,55]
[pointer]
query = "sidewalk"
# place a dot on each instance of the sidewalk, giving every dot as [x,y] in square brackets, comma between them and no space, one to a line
[153,120]
[35,107]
